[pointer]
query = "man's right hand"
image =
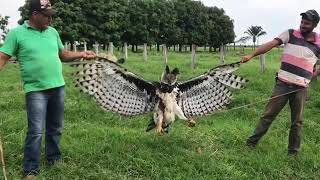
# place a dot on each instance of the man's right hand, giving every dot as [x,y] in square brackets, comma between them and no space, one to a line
[3,59]
[246,58]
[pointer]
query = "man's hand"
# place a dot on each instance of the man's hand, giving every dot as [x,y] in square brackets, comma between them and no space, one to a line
[4,58]
[261,50]
[246,58]
[88,55]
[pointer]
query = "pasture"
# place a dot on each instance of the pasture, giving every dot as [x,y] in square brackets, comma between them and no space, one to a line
[103,145]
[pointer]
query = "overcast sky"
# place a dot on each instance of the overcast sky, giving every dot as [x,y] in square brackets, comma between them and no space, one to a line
[274,16]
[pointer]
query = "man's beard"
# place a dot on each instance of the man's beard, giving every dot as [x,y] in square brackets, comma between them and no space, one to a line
[305,32]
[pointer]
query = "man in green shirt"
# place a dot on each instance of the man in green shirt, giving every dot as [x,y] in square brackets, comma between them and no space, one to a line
[39,49]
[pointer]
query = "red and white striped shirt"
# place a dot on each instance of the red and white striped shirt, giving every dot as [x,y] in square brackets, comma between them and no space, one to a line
[298,58]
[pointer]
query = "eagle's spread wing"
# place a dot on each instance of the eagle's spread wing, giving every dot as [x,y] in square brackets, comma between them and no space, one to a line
[208,92]
[115,88]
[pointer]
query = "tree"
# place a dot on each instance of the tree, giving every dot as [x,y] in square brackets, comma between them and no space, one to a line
[220,28]
[3,26]
[255,32]
[172,22]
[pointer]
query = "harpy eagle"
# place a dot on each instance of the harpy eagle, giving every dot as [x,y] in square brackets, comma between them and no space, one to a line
[116,89]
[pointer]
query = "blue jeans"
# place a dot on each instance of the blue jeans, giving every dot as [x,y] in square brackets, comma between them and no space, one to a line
[44,108]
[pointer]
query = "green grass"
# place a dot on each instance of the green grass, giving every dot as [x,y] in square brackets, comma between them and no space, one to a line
[103,145]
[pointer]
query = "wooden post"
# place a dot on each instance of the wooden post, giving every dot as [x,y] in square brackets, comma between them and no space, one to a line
[193,56]
[110,47]
[75,44]
[2,161]
[66,46]
[85,46]
[165,53]
[222,54]
[96,47]
[262,62]
[125,50]
[145,56]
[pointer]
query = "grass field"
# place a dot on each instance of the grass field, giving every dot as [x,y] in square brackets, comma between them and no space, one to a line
[103,145]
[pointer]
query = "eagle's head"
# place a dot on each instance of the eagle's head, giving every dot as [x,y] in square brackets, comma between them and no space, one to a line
[169,78]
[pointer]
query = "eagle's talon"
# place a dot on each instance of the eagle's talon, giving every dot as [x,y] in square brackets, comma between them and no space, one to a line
[191,123]
[160,131]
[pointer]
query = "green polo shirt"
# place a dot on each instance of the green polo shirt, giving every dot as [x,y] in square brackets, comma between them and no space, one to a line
[38,56]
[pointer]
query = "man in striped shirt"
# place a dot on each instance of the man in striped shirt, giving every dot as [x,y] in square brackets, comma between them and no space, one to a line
[301,52]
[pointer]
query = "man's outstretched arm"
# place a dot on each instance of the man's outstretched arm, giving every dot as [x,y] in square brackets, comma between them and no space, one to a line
[261,50]
[70,55]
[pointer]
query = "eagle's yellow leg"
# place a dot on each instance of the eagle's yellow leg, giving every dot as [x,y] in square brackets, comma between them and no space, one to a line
[191,122]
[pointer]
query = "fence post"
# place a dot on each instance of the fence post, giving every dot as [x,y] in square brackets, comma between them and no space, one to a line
[2,160]
[110,47]
[67,46]
[96,47]
[125,50]
[145,55]
[75,44]
[85,46]
[262,58]
[222,54]
[193,56]
[165,53]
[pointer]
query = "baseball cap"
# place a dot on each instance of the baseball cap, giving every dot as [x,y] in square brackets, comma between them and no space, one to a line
[43,6]
[311,15]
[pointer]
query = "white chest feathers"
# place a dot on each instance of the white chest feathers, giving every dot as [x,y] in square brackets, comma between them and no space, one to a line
[166,108]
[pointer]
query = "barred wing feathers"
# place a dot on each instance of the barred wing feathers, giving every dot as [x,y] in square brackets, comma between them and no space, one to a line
[209,92]
[115,88]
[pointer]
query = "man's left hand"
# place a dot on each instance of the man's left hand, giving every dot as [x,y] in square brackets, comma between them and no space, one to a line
[88,55]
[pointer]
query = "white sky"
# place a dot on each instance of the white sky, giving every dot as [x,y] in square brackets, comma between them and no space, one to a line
[274,16]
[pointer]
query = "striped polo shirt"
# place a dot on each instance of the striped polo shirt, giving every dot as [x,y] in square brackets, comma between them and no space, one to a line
[298,58]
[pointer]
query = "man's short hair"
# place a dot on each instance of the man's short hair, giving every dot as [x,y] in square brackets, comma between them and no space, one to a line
[311,15]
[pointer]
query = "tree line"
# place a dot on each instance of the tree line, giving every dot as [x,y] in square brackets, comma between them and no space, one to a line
[155,22]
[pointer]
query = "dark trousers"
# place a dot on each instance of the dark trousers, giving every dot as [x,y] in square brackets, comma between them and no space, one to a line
[44,109]
[274,106]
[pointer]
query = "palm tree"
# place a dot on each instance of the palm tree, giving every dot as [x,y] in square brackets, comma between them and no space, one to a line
[255,32]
